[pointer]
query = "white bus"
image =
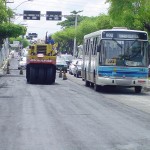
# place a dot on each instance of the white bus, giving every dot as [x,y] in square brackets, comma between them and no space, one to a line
[116,57]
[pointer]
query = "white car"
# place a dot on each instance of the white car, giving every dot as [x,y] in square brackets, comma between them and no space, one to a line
[72,66]
[61,64]
[68,58]
[22,63]
[77,69]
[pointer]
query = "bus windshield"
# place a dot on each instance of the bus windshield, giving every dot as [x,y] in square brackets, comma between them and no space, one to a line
[124,53]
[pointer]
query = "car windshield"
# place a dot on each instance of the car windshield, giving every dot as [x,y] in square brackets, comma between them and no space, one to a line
[60,59]
[124,52]
[67,57]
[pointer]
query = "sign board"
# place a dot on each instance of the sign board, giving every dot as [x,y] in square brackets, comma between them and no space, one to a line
[53,15]
[31,15]
[34,35]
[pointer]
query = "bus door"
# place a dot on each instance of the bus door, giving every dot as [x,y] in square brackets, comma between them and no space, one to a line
[89,63]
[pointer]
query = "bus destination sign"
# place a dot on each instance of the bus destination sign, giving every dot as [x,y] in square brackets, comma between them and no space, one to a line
[124,35]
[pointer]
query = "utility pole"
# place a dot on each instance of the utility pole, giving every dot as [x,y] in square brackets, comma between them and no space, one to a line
[76,23]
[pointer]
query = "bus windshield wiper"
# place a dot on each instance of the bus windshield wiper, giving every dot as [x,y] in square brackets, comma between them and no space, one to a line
[133,43]
[117,43]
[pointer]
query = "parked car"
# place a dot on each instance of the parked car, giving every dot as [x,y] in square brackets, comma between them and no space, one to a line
[22,63]
[68,58]
[77,69]
[72,66]
[61,64]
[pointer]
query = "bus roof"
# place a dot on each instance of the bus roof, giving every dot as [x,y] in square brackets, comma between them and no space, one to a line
[116,29]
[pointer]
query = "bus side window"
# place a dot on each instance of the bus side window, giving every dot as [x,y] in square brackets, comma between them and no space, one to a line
[94,46]
[88,46]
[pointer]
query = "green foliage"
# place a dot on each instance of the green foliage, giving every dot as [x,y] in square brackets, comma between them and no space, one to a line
[25,43]
[65,38]
[11,30]
[85,27]
[21,40]
[8,29]
[134,14]
[70,20]
[104,22]
[10,13]
[3,12]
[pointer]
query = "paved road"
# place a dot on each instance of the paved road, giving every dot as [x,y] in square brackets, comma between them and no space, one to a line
[69,116]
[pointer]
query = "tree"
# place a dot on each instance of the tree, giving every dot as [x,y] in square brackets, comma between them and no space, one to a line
[8,29]
[134,14]
[21,40]
[65,37]
[104,22]
[3,12]
[70,20]
[65,40]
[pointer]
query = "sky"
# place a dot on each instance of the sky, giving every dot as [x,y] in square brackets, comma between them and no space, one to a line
[89,8]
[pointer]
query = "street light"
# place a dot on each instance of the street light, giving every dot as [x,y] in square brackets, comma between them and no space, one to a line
[76,21]
[18,6]
[22,3]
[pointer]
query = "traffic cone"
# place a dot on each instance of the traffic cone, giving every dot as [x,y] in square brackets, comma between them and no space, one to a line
[8,71]
[60,74]
[21,71]
[64,75]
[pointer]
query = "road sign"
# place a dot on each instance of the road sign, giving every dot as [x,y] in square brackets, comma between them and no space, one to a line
[31,15]
[53,15]
[33,35]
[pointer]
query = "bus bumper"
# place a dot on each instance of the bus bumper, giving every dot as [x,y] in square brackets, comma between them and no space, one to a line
[122,82]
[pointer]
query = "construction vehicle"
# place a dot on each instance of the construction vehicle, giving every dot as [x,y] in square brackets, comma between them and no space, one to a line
[41,64]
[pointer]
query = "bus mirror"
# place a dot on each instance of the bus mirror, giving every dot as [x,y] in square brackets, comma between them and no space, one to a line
[98,48]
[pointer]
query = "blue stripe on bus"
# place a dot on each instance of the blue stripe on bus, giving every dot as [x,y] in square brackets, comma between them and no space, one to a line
[122,71]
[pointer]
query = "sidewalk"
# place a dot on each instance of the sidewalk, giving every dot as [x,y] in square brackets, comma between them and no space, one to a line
[3,68]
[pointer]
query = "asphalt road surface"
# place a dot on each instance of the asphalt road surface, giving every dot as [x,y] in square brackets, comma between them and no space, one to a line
[69,116]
